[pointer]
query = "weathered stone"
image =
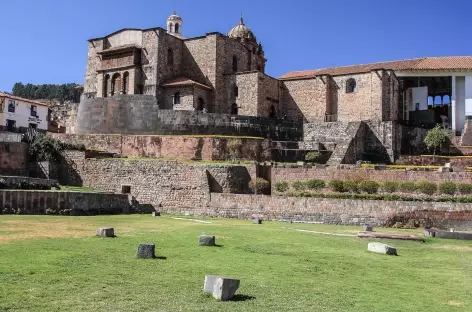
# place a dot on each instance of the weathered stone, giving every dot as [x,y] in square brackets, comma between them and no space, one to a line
[146,251]
[156,214]
[222,288]
[367,228]
[382,248]
[447,234]
[207,240]
[106,232]
[257,221]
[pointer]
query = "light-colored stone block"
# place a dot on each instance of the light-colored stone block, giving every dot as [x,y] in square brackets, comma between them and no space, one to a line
[156,214]
[367,228]
[382,248]
[222,288]
[257,221]
[106,232]
[207,240]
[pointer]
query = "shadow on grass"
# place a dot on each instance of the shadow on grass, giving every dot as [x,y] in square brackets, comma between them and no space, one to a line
[242,298]
[160,258]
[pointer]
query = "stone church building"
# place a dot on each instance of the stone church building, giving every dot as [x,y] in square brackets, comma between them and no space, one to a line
[225,74]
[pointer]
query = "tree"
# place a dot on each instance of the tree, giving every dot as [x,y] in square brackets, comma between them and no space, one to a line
[435,138]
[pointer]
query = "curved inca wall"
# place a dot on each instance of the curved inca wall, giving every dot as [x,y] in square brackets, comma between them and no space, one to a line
[140,114]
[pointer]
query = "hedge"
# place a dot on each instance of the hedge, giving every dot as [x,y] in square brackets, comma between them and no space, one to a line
[282,186]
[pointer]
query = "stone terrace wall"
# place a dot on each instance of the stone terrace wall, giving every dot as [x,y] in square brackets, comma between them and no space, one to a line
[13,181]
[301,174]
[179,147]
[164,184]
[36,202]
[334,211]
[139,114]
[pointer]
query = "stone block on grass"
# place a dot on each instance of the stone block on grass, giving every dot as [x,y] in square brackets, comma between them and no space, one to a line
[156,214]
[106,232]
[207,240]
[257,221]
[222,288]
[367,228]
[382,249]
[146,251]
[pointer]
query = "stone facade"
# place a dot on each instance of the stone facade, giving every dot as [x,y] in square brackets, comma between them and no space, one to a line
[13,158]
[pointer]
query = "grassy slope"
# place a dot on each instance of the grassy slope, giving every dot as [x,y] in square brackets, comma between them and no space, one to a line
[55,264]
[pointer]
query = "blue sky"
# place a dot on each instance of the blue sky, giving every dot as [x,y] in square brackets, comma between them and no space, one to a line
[45,41]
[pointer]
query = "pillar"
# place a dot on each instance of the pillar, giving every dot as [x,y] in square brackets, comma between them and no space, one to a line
[453,104]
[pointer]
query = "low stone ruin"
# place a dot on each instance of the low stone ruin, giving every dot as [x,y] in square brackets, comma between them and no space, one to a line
[447,234]
[367,228]
[146,251]
[156,214]
[207,240]
[257,221]
[106,232]
[382,249]
[222,288]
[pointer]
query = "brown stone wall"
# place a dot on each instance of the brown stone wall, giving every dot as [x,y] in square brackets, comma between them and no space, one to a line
[13,158]
[363,104]
[303,174]
[186,98]
[167,70]
[149,62]
[247,99]
[179,147]
[269,95]
[305,99]
[333,211]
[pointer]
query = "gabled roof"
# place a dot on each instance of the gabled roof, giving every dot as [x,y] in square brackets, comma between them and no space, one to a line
[183,82]
[17,98]
[425,63]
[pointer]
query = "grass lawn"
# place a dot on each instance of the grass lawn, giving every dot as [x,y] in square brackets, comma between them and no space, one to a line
[50,263]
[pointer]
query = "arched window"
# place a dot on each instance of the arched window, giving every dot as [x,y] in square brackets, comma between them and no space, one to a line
[446,99]
[200,104]
[351,85]
[272,113]
[125,82]
[437,100]
[171,28]
[176,28]
[234,109]
[106,85]
[170,57]
[176,98]
[115,84]
[430,100]
[235,64]
[236,91]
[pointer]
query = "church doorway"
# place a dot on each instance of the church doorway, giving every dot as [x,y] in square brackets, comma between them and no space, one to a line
[272,113]
[200,104]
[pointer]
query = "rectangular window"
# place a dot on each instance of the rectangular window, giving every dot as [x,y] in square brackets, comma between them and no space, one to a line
[33,111]
[33,126]
[11,106]
[126,189]
[11,125]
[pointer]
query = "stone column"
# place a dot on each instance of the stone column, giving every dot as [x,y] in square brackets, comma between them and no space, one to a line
[453,103]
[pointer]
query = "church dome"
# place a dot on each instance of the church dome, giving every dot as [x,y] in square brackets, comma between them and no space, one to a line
[241,31]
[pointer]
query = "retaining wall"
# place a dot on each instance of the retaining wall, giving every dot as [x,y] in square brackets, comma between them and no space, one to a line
[74,203]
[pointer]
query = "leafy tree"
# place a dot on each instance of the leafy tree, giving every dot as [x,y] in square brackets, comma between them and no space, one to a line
[62,93]
[435,138]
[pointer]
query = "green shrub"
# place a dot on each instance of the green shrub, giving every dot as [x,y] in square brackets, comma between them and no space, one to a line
[298,186]
[260,186]
[351,186]
[315,184]
[336,186]
[312,157]
[426,187]
[390,186]
[464,188]
[448,188]
[369,187]
[407,187]
[282,186]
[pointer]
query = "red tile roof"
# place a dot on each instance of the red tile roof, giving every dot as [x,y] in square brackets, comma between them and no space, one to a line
[17,98]
[184,82]
[425,63]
